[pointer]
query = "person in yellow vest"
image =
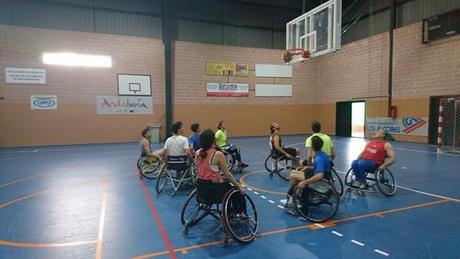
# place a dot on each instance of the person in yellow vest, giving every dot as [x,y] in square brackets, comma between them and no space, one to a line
[328,146]
[221,141]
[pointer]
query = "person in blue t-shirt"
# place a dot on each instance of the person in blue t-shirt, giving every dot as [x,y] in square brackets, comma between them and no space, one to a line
[321,169]
[194,140]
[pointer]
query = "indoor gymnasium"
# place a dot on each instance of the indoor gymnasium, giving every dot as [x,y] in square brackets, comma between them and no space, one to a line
[229,129]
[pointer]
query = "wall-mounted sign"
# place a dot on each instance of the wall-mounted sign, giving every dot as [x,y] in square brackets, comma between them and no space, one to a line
[124,105]
[138,85]
[227,90]
[270,90]
[219,68]
[16,75]
[43,102]
[267,70]
[403,126]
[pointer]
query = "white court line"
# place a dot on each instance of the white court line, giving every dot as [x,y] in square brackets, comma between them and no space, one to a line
[263,197]
[295,144]
[420,192]
[271,201]
[381,252]
[337,233]
[281,207]
[243,185]
[256,193]
[319,225]
[249,188]
[357,242]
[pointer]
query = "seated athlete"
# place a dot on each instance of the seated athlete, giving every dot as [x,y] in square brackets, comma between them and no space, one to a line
[146,149]
[321,169]
[177,144]
[194,140]
[373,158]
[210,163]
[278,149]
[328,146]
[221,141]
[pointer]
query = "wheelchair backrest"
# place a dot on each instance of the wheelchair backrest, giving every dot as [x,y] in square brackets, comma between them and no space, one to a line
[178,163]
[206,193]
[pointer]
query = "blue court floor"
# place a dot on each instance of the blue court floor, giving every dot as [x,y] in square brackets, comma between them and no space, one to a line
[86,201]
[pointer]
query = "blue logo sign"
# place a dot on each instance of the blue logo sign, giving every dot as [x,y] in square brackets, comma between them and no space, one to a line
[44,102]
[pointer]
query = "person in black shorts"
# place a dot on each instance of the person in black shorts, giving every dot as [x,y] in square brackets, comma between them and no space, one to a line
[278,149]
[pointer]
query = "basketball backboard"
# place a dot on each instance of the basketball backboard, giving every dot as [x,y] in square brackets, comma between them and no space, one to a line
[318,31]
[137,85]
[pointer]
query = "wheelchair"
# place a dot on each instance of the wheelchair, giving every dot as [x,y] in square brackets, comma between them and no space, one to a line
[336,181]
[317,202]
[237,212]
[230,159]
[278,164]
[148,169]
[176,171]
[383,180]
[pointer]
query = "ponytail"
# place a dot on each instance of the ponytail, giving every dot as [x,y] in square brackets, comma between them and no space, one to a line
[207,138]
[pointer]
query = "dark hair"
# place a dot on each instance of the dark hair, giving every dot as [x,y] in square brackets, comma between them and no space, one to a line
[176,126]
[144,131]
[273,128]
[219,125]
[316,143]
[194,127]
[207,139]
[315,126]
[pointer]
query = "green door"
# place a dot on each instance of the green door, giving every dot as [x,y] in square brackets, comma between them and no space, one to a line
[343,119]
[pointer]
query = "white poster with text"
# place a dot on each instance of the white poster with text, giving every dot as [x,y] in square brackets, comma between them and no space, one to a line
[227,90]
[16,75]
[403,126]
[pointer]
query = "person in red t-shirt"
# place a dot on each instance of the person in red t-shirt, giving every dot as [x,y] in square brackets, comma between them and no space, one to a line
[373,157]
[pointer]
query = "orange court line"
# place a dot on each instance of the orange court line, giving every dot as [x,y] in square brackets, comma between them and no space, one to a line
[20,180]
[38,193]
[51,245]
[255,188]
[100,234]
[309,226]
[23,198]
[17,244]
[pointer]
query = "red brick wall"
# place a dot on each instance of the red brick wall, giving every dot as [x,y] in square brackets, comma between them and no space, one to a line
[359,69]
[75,120]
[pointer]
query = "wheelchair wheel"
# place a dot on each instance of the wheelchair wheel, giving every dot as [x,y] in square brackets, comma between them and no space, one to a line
[336,182]
[318,203]
[282,168]
[350,177]
[193,211]
[162,179]
[231,162]
[270,164]
[239,216]
[148,170]
[386,182]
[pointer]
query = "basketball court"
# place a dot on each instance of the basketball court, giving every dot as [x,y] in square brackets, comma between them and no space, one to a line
[79,88]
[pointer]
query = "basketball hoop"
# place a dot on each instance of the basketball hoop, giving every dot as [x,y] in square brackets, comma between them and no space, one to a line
[289,54]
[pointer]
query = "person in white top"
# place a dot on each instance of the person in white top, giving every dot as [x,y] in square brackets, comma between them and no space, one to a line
[177,145]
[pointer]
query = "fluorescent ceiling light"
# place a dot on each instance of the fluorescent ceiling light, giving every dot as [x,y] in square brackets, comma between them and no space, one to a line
[76,60]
